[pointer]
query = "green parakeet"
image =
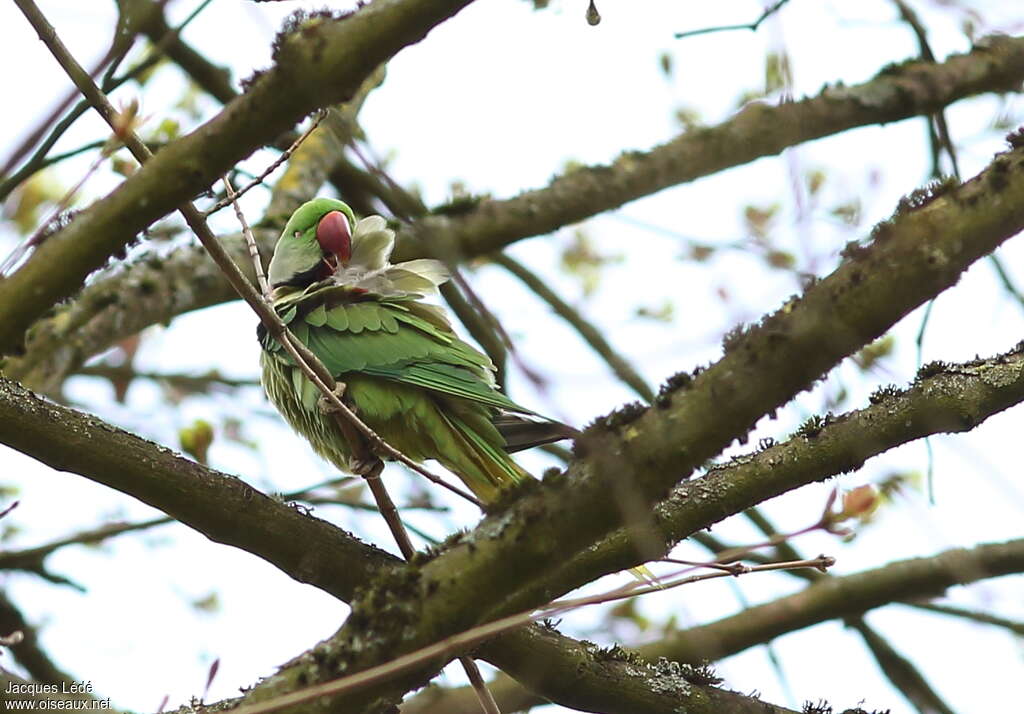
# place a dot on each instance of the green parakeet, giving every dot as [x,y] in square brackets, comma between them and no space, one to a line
[407,375]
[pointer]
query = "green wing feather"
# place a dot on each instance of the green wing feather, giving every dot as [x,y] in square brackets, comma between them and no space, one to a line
[408,376]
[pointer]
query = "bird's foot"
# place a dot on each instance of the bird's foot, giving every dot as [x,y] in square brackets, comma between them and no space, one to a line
[368,466]
[327,406]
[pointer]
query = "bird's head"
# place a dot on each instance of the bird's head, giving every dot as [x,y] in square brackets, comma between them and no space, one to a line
[316,240]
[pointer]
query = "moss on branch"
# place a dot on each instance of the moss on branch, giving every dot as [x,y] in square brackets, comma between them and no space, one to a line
[322,64]
[911,89]
[839,597]
[914,88]
[223,508]
[625,468]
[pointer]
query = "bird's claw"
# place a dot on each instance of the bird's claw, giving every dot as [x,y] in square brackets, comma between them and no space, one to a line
[366,466]
[326,405]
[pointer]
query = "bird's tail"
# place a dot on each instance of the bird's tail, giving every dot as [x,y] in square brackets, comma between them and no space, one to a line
[522,432]
[483,466]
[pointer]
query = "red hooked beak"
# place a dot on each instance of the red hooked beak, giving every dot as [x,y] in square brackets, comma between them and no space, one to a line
[335,238]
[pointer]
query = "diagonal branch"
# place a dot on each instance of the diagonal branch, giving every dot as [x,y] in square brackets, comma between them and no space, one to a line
[324,64]
[900,671]
[591,334]
[839,597]
[899,92]
[921,251]
[758,130]
[957,397]
[222,507]
[540,660]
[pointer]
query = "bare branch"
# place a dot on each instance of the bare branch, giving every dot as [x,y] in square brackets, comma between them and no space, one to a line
[752,26]
[335,56]
[901,671]
[898,92]
[911,89]
[222,507]
[590,334]
[31,559]
[840,597]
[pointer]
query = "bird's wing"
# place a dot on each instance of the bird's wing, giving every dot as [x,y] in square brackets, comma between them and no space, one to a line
[393,340]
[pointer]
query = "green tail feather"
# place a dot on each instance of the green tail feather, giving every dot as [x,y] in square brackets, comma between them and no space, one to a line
[481,465]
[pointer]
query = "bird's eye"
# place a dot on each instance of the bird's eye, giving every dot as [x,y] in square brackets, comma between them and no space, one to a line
[297,234]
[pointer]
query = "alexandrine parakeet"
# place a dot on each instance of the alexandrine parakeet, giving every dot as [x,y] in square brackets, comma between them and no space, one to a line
[407,375]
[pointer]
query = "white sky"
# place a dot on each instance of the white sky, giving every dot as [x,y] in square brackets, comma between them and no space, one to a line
[501,98]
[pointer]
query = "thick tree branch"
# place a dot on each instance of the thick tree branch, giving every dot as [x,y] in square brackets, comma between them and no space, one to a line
[958,395]
[919,254]
[156,288]
[223,508]
[944,398]
[323,64]
[830,598]
[579,675]
[839,597]
[759,130]
[220,506]
[951,397]
[931,239]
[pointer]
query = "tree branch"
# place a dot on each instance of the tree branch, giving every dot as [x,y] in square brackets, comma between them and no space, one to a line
[901,671]
[222,507]
[932,403]
[931,239]
[911,89]
[619,365]
[541,661]
[758,130]
[28,652]
[322,65]
[840,597]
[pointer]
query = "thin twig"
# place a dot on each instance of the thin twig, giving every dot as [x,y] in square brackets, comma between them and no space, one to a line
[186,382]
[590,334]
[747,26]
[37,237]
[984,618]
[250,239]
[345,419]
[38,159]
[479,329]
[32,558]
[939,133]
[1005,279]
[285,155]
[476,635]
[488,318]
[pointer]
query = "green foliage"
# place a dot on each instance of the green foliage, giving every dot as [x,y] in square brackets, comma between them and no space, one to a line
[32,199]
[582,260]
[196,439]
[872,354]
[662,313]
